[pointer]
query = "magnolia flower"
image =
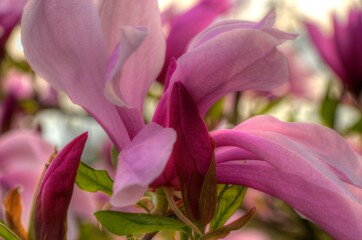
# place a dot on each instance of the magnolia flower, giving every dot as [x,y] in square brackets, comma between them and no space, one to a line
[118,47]
[342,50]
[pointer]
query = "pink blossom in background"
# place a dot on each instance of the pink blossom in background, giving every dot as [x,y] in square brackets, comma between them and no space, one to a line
[18,84]
[182,28]
[10,14]
[341,50]
[23,155]
[300,84]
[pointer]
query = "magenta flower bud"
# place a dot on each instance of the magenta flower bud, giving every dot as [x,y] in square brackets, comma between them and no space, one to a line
[193,150]
[56,191]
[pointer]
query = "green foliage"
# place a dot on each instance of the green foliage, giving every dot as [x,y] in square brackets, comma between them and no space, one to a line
[123,224]
[356,127]
[230,198]
[88,231]
[6,233]
[328,108]
[92,180]
[226,230]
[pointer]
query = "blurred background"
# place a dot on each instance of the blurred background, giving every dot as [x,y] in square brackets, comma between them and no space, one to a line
[317,92]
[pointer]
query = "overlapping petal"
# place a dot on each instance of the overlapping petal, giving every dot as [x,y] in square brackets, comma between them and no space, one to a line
[137,71]
[141,162]
[310,167]
[228,66]
[64,43]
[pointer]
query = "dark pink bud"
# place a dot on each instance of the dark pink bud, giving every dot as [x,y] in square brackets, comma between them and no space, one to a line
[56,191]
[193,150]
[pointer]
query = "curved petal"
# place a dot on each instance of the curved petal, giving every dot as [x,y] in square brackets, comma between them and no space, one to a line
[141,68]
[188,24]
[326,48]
[265,25]
[308,166]
[64,43]
[141,162]
[332,210]
[326,144]
[131,40]
[223,64]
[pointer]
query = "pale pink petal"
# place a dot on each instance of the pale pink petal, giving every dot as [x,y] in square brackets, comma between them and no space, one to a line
[139,70]
[223,64]
[308,166]
[265,25]
[326,144]
[141,162]
[333,210]
[64,43]
[131,39]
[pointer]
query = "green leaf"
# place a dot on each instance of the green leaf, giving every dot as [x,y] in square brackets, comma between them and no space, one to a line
[222,232]
[89,231]
[229,200]
[6,233]
[92,180]
[123,224]
[328,108]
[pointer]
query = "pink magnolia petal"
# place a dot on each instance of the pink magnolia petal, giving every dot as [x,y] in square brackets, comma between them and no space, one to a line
[308,166]
[131,40]
[141,68]
[326,48]
[326,144]
[333,210]
[141,162]
[265,25]
[69,52]
[223,64]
